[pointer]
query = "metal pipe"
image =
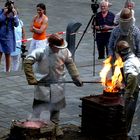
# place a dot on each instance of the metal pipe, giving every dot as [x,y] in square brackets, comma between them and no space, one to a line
[55,82]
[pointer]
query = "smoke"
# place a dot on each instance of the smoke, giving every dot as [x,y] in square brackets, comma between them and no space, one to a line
[40,112]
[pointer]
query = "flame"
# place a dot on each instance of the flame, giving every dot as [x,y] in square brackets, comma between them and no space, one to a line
[105,70]
[113,83]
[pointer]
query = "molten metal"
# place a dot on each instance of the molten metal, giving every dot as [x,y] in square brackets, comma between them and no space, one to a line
[33,124]
[32,130]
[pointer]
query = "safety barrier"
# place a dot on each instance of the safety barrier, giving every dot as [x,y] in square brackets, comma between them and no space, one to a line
[60,33]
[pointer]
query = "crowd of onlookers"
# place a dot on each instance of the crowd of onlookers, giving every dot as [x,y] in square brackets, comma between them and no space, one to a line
[12,30]
[115,34]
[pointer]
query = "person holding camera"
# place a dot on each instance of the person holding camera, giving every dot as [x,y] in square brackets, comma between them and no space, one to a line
[8,20]
[20,35]
[103,24]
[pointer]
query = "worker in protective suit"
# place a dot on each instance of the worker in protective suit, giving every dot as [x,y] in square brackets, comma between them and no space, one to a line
[126,31]
[46,66]
[131,71]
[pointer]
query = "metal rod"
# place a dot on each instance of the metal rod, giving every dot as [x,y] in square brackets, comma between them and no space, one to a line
[55,82]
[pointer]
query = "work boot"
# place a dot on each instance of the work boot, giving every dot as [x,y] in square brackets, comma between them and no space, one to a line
[58,131]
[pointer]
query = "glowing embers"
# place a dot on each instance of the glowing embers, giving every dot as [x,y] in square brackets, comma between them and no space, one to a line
[112,83]
[32,130]
[32,124]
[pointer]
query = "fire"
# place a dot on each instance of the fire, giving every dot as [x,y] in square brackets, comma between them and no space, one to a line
[113,83]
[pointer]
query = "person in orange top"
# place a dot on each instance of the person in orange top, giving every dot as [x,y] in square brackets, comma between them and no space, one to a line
[38,27]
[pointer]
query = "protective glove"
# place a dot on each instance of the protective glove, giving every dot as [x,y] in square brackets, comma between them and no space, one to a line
[33,82]
[29,72]
[77,81]
[72,69]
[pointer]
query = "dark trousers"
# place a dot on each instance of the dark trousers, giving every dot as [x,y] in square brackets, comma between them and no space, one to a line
[130,106]
[102,44]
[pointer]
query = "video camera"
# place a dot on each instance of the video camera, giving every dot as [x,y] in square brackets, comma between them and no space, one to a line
[94,6]
[9,5]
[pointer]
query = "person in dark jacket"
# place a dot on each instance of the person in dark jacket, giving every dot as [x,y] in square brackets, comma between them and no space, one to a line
[103,24]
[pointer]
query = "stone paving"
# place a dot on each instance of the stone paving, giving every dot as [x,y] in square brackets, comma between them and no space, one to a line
[16,95]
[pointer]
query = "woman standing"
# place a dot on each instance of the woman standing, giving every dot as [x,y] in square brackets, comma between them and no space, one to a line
[130,5]
[103,23]
[20,34]
[8,20]
[38,28]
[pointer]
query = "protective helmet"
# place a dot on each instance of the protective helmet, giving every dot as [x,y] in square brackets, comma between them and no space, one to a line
[126,14]
[122,46]
[57,41]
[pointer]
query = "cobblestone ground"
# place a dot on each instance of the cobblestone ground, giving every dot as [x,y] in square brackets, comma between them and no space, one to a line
[16,96]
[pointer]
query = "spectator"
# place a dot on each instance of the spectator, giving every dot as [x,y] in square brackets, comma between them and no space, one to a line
[103,23]
[16,55]
[8,20]
[49,67]
[38,28]
[131,71]
[130,5]
[126,31]
[109,4]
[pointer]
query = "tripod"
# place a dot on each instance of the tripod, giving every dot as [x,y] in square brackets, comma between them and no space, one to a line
[94,7]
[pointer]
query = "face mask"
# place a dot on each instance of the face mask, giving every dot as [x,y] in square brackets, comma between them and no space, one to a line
[125,53]
[125,25]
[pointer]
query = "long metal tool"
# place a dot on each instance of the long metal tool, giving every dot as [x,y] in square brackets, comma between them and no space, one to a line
[55,82]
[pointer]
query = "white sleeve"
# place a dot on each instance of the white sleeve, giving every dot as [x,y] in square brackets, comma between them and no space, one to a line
[117,17]
[35,55]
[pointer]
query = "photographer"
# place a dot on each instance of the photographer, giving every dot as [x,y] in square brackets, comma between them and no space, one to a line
[103,24]
[8,20]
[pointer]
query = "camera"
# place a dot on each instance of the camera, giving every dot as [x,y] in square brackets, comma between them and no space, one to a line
[94,6]
[101,27]
[9,5]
